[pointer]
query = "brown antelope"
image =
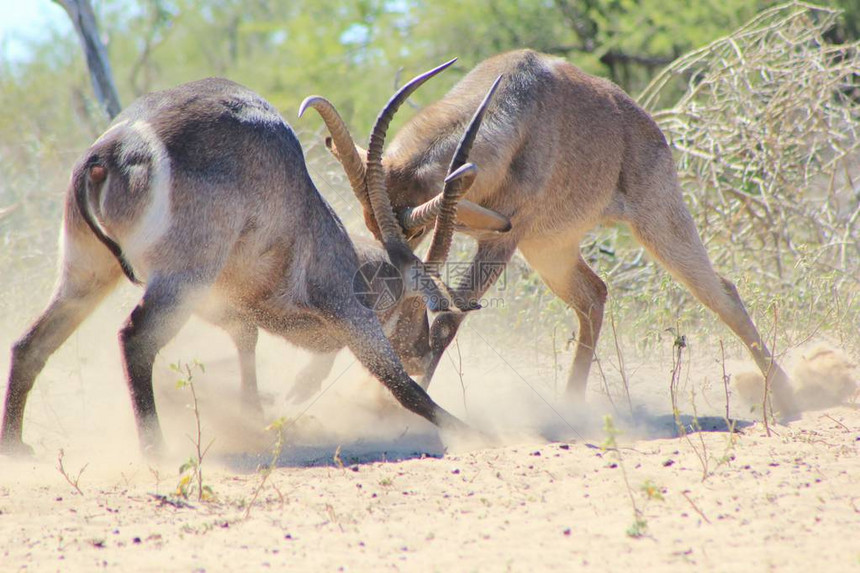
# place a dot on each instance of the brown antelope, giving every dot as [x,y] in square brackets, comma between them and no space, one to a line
[201,193]
[560,152]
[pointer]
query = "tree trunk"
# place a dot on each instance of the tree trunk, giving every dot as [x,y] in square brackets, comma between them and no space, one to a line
[84,19]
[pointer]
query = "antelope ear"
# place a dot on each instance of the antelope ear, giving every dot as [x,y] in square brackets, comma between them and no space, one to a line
[329,143]
[480,218]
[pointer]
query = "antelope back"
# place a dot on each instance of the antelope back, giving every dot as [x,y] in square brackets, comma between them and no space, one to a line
[208,174]
[555,144]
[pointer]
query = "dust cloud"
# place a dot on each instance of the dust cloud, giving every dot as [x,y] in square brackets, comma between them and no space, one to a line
[80,403]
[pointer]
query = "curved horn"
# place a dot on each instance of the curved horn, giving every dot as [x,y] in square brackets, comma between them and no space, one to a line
[346,152]
[392,236]
[413,217]
[480,218]
[471,215]
[437,294]
[422,214]
[457,183]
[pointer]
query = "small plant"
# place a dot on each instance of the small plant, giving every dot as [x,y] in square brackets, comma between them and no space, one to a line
[191,481]
[157,476]
[73,481]
[765,400]
[678,347]
[702,450]
[686,494]
[652,491]
[460,374]
[191,472]
[279,426]
[640,526]
[621,368]
[726,380]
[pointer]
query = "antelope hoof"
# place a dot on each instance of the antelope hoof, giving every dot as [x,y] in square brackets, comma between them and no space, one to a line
[464,437]
[252,407]
[787,410]
[16,448]
[784,399]
[152,446]
[301,393]
[574,394]
[154,453]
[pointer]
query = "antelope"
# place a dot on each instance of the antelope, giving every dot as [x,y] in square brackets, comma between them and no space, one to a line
[201,194]
[560,152]
[410,331]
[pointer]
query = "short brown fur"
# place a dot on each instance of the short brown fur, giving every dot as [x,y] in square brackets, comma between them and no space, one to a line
[560,152]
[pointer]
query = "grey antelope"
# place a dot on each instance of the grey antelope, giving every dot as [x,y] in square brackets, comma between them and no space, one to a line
[560,151]
[201,193]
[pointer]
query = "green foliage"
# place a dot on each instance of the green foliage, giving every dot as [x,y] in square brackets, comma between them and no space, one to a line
[189,485]
[639,528]
[351,52]
[652,491]
[186,372]
[612,433]
[279,427]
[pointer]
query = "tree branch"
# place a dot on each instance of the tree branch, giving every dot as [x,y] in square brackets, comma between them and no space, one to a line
[84,20]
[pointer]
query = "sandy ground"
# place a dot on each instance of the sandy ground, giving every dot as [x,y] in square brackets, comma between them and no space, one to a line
[360,485]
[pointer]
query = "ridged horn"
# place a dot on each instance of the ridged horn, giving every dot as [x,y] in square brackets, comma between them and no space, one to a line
[456,185]
[392,236]
[469,215]
[346,152]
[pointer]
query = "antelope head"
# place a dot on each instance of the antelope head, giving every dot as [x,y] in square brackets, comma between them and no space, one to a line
[401,231]
[367,173]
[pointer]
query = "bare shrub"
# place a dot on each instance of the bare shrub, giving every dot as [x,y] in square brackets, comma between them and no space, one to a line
[767,142]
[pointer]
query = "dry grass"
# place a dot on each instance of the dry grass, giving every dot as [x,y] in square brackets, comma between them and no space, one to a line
[767,143]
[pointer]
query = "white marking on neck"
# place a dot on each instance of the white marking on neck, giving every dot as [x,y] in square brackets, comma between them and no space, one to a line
[110,129]
[156,219]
